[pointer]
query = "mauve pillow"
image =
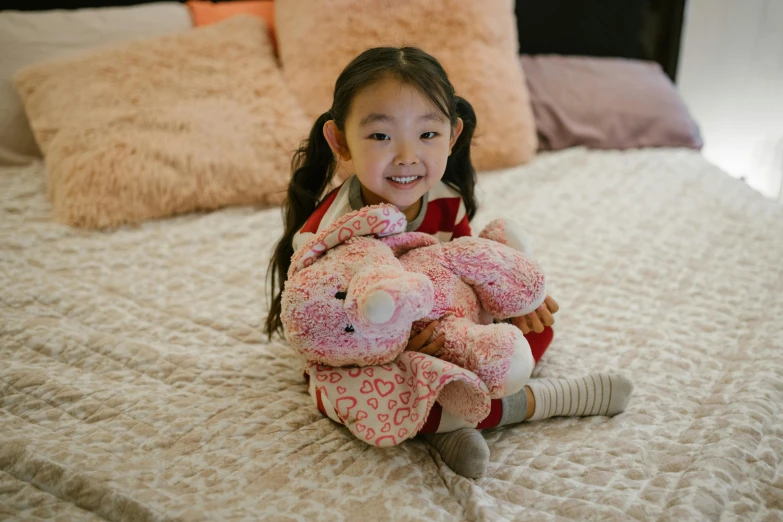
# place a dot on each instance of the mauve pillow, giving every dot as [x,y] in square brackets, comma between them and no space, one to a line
[606,103]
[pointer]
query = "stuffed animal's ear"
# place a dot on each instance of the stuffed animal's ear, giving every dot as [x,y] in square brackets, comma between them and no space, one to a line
[508,233]
[378,220]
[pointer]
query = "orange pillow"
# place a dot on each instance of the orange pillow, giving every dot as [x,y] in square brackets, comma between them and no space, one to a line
[206,13]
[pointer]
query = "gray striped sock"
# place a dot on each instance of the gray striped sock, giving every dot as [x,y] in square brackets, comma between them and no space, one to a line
[514,408]
[465,451]
[594,394]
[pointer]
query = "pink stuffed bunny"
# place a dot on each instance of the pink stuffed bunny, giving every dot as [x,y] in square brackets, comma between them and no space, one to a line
[355,291]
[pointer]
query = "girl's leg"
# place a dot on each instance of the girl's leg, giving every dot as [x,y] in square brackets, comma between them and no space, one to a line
[462,446]
[595,394]
[539,342]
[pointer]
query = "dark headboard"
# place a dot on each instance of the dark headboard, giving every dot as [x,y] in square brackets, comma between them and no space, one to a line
[642,29]
[646,29]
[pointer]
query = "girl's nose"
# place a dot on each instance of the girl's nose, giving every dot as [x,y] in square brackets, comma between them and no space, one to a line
[406,155]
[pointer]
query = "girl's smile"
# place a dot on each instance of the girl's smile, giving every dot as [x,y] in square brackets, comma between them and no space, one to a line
[405,182]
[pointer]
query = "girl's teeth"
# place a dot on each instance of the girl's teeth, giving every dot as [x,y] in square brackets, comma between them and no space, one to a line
[409,179]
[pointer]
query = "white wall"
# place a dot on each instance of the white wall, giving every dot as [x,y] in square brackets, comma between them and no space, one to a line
[731,77]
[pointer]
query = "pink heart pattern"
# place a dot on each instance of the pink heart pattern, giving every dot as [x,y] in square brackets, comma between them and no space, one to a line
[401,398]
[379,220]
[384,388]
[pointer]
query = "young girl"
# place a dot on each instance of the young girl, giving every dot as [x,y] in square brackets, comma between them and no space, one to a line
[395,115]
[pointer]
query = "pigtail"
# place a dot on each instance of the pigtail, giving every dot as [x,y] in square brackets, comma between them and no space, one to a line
[460,174]
[313,167]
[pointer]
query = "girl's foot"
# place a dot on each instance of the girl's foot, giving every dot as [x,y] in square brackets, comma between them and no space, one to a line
[465,451]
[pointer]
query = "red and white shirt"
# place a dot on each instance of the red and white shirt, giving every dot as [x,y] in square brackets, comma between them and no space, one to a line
[442,212]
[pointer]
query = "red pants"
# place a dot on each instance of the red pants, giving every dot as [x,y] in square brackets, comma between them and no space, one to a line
[539,342]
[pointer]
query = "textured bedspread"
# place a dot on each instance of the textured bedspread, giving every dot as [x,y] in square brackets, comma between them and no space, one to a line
[135,382]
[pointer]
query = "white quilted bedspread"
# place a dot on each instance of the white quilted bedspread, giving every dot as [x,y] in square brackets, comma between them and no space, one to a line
[135,382]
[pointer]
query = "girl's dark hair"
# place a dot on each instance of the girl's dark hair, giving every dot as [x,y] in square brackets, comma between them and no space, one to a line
[314,165]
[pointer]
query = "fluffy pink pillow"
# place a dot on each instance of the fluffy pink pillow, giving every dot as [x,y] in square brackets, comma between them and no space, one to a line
[475,41]
[152,128]
[606,103]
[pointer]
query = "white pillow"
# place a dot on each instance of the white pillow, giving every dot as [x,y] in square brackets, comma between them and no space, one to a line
[31,37]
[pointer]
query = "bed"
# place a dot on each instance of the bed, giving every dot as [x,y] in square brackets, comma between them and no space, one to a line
[136,383]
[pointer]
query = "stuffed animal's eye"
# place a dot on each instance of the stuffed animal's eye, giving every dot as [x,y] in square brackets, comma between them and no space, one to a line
[340,295]
[349,328]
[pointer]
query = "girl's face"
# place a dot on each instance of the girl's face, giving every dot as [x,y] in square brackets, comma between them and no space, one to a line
[399,142]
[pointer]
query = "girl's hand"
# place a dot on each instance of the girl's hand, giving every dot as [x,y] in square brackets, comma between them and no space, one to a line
[536,321]
[420,342]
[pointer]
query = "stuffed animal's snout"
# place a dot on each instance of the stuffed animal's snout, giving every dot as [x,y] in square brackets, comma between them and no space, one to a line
[378,307]
[400,299]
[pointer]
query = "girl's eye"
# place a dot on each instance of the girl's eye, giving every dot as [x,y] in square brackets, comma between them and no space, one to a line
[429,135]
[379,136]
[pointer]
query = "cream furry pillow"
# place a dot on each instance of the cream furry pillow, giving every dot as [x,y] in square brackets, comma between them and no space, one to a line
[28,37]
[153,128]
[476,42]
